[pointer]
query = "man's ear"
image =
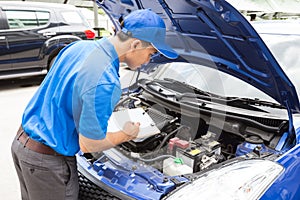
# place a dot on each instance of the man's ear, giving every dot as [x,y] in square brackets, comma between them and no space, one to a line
[135,44]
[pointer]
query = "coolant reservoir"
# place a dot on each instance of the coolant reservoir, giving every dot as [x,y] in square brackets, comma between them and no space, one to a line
[175,167]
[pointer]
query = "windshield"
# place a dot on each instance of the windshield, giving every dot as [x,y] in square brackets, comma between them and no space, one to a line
[283,40]
[210,80]
[268,9]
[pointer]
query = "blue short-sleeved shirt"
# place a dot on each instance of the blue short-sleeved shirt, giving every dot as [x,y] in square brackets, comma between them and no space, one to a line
[78,95]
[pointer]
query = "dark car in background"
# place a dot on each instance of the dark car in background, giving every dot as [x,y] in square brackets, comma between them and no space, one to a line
[32,34]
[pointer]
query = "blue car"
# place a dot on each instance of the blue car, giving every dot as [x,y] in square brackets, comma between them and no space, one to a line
[220,122]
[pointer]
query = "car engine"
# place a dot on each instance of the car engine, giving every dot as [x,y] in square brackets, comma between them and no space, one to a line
[187,143]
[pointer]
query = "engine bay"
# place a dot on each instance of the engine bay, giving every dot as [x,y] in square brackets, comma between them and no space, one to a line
[192,139]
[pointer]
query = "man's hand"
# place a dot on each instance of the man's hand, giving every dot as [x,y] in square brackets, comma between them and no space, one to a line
[131,129]
[129,132]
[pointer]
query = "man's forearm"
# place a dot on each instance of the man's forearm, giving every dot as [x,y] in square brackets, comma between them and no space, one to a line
[111,140]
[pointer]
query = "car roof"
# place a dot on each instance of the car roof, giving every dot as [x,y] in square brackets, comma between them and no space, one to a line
[287,27]
[36,5]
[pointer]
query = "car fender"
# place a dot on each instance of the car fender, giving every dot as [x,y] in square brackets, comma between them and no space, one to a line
[53,45]
[285,186]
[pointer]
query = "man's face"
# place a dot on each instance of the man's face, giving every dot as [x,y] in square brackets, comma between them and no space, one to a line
[139,55]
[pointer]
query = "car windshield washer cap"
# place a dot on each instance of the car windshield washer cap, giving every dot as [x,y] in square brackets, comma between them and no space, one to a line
[148,26]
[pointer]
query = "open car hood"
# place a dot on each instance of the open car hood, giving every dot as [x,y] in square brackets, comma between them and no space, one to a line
[215,34]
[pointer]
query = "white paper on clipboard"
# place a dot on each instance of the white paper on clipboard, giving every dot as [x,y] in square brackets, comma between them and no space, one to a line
[147,126]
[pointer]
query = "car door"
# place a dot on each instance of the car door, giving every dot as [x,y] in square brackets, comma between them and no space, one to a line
[25,41]
[5,63]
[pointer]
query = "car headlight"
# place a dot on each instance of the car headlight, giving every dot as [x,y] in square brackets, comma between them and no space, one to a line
[246,179]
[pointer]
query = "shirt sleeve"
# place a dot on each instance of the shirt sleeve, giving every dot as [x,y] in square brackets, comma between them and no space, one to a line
[97,107]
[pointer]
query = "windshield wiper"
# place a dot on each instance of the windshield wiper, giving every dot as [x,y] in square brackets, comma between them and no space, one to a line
[221,99]
[248,101]
[196,90]
[157,87]
[174,89]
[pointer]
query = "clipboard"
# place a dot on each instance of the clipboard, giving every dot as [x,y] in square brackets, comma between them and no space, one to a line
[147,126]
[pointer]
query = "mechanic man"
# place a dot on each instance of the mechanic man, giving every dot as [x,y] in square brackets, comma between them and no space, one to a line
[71,108]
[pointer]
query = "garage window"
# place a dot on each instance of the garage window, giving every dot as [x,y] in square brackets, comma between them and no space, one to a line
[26,19]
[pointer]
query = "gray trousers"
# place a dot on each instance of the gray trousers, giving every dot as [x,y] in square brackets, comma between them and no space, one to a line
[45,177]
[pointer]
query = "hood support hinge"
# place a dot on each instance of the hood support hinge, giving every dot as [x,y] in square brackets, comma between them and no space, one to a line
[291,132]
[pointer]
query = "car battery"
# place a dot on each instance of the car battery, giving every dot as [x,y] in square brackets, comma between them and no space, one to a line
[209,144]
[191,156]
[203,151]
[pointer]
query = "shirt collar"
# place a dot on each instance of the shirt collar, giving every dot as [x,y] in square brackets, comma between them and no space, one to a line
[108,47]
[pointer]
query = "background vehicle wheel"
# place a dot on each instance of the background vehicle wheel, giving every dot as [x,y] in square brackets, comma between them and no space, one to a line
[90,191]
[51,62]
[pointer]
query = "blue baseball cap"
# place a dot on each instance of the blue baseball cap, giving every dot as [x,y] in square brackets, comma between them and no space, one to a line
[146,25]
